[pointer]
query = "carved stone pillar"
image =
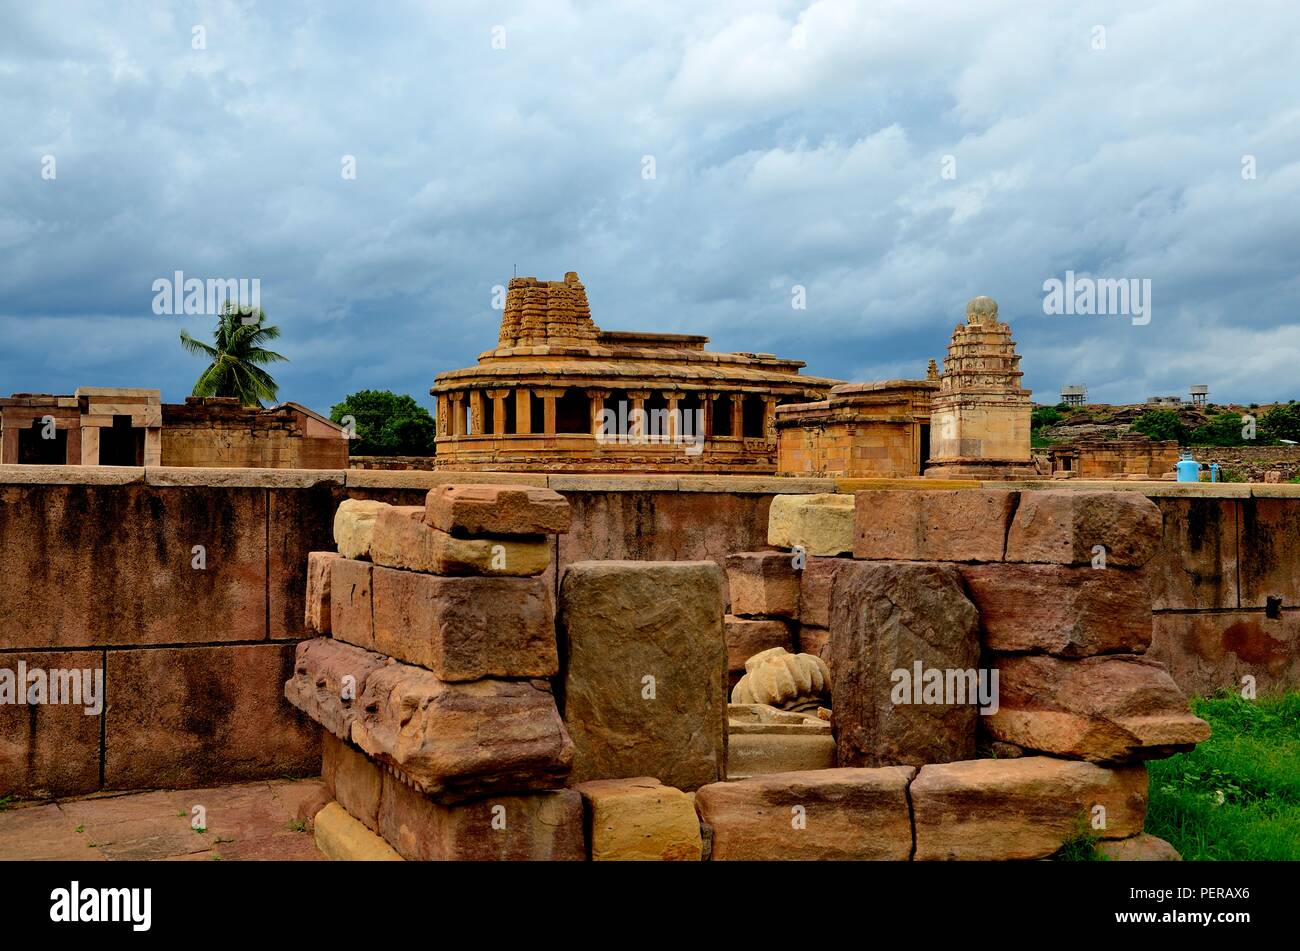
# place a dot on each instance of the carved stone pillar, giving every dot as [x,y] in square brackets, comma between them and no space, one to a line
[769,418]
[498,398]
[674,424]
[548,403]
[457,403]
[523,410]
[476,412]
[598,398]
[737,414]
[637,425]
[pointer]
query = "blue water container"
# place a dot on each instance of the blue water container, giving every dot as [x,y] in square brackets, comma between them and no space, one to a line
[1214,472]
[1188,469]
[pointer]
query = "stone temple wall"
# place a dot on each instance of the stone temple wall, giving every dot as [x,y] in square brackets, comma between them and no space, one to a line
[184,588]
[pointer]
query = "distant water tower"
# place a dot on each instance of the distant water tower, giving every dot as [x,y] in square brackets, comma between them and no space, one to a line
[1200,393]
[1074,394]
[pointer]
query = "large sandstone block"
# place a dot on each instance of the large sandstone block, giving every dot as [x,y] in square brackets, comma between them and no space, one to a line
[1065,527]
[193,716]
[343,839]
[950,525]
[317,613]
[50,749]
[1205,653]
[815,583]
[536,827]
[402,540]
[886,619]
[640,819]
[1111,708]
[1023,808]
[354,526]
[646,674]
[1270,551]
[466,628]
[1061,610]
[486,509]
[461,740]
[328,679]
[351,611]
[353,780]
[820,524]
[826,814]
[746,637]
[1195,565]
[763,584]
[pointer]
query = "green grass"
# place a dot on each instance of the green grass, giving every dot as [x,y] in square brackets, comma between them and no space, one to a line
[1237,795]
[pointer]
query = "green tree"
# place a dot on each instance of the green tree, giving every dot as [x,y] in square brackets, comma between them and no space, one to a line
[386,424]
[1160,424]
[1281,422]
[1222,429]
[238,357]
[1044,416]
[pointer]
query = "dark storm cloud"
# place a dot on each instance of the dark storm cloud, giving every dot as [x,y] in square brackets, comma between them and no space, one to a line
[793,144]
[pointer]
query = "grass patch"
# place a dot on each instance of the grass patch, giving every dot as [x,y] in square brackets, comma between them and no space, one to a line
[1237,795]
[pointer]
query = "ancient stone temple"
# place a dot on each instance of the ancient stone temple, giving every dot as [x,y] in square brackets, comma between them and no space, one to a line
[560,394]
[980,416]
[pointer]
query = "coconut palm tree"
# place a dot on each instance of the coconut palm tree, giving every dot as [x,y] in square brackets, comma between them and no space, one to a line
[238,357]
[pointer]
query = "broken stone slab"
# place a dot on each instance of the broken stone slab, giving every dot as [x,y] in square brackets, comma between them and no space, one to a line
[1067,527]
[949,525]
[763,584]
[486,509]
[317,613]
[747,637]
[401,539]
[461,740]
[887,620]
[762,739]
[343,839]
[466,628]
[354,525]
[820,524]
[1004,809]
[328,680]
[535,827]
[353,780]
[1111,708]
[351,610]
[646,670]
[825,814]
[1142,847]
[640,819]
[1061,610]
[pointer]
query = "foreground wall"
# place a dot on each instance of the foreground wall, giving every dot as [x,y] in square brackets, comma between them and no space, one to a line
[184,588]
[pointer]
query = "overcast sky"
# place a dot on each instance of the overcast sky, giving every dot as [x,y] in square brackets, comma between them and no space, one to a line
[693,162]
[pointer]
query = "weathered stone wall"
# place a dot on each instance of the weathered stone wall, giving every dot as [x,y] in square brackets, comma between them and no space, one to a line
[220,433]
[97,568]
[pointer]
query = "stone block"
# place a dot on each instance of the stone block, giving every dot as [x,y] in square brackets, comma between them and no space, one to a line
[762,739]
[402,540]
[1007,809]
[1195,565]
[317,614]
[190,716]
[466,628]
[640,819]
[1067,527]
[820,524]
[1059,609]
[486,509]
[354,526]
[815,583]
[1142,847]
[537,827]
[50,749]
[461,740]
[886,619]
[1112,708]
[763,584]
[746,637]
[328,678]
[826,814]
[645,681]
[950,525]
[351,607]
[1270,551]
[1205,653]
[299,523]
[344,839]
[352,779]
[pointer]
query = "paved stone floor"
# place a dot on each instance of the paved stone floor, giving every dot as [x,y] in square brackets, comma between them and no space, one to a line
[262,820]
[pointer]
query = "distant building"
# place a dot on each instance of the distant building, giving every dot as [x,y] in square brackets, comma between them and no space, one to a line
[1164,402]
[1074,394]
[1200,393]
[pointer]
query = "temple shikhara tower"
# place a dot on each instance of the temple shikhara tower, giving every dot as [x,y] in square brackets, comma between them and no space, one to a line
[980,416]
[560,394]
